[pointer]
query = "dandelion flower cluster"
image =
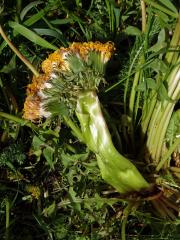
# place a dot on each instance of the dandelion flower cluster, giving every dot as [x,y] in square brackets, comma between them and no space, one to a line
[59,70]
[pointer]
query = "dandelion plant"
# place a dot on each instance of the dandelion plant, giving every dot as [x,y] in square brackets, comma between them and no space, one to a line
[68,85]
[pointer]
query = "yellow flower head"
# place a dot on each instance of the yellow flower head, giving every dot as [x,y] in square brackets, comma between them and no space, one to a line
[32,107]
[83,49]
[55,61]
[58,62]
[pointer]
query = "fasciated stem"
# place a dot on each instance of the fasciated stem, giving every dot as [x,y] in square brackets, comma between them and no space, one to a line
[115,168]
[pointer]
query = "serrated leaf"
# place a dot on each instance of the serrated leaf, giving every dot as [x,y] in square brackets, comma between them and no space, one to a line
[32,36]
[37,143]
[48,153]
[151,84]
[72,195]
[162,35]
[68,159]
[48,211]
[160,43]
[158,66]
[141,87]
[158,46]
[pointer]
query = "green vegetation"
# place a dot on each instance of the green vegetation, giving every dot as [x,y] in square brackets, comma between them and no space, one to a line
[91,149]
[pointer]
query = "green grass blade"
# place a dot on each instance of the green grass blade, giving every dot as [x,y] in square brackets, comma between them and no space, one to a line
[162,8]
[28,7]
[2,46]
[32,36]
[48,32]
[36,17]
[61,21]
[169,5]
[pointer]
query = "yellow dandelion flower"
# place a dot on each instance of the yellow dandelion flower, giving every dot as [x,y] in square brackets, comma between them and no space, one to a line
[59,62]
[55,61]
[37,83]
[83,49]
[32,108]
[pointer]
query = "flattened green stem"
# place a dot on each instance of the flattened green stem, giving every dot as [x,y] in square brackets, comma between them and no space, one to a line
[115,168]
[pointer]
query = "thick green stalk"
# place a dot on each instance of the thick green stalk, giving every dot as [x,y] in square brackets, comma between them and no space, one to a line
[134,92]
[151,108]
[132,103]
[161,116]
[128,78]
[153,117]
[148,108]
[174,41]
[159,140]
[115,168]
[165,122]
